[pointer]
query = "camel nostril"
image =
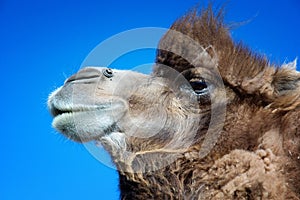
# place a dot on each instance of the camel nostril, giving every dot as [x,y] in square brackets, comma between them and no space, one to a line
[84,75]
[108,73]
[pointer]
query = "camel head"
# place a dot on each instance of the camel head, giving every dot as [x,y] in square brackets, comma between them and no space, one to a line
[132,112]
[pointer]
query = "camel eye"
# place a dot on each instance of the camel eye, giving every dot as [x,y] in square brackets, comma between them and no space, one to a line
[108,73]
[200,86]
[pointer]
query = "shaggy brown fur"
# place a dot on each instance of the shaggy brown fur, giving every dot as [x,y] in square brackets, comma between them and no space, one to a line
[257,153]
[263,114]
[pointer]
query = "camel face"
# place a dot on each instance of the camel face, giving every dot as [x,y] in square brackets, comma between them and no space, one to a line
[96,102]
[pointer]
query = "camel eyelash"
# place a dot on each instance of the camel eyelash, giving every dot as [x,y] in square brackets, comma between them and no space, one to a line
[200,86]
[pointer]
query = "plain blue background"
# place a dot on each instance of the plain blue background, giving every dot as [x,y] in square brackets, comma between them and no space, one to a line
[43,42]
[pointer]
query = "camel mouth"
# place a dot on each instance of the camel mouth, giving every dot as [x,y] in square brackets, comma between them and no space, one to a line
[67,110]
[56,112]
[69,121]
[84,122]
[63,106]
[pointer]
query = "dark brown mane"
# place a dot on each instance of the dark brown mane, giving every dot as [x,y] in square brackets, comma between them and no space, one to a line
[243,70]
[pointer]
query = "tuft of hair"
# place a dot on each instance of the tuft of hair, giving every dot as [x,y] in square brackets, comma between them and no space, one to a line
[244,71]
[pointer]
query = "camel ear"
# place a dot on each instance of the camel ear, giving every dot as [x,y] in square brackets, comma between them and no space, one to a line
[286,79]
[286,84]
[290,65]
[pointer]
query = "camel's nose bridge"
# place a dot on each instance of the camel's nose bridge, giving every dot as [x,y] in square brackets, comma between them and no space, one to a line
[85,75]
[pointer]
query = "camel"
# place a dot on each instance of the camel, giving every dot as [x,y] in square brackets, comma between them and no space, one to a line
[214,120]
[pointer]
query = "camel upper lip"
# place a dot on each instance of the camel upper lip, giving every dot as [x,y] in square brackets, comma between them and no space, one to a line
[58,107]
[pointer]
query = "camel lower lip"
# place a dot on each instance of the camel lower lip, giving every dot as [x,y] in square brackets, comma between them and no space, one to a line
[71,123]
[70,117]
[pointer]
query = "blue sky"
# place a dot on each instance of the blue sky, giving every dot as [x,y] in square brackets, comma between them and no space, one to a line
[43,42]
